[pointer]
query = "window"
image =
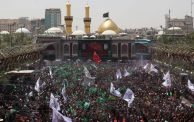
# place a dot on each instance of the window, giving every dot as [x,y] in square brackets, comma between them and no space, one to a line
[105,46]
[66,49]
[75,49]
[83,46]
[124,49]
[114,49]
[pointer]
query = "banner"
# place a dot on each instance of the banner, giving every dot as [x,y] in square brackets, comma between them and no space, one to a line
[106,15]
[129,96]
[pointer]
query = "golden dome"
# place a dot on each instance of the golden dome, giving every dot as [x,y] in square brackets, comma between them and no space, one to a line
[108,24]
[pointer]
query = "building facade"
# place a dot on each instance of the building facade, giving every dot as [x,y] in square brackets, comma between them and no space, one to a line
[108,49]
[37,26]
[11,25]
[185,24]
[24,22]
[52,18]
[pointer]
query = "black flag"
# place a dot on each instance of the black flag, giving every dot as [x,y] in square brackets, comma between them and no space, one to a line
[106,15]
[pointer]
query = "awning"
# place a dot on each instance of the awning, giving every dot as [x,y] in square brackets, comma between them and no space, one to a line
[20,72]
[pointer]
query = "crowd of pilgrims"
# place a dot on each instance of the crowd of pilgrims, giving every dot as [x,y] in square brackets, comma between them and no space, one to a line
[93,103]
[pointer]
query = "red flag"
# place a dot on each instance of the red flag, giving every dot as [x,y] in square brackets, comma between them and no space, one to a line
[124,120]
[115,119]
[96,58]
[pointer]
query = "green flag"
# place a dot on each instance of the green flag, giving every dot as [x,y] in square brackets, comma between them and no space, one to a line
[86,105]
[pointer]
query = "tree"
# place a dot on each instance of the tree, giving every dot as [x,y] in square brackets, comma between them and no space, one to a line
[23,39]
[5,41]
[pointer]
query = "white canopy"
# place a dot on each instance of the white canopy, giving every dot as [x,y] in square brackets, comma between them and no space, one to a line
[22,30]
[174,28]
[53,30]
[20,72]
[4,32]
[109,32]
[78,33]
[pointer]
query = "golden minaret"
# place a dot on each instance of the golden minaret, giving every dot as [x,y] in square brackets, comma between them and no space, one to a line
[68,19]
[87,19]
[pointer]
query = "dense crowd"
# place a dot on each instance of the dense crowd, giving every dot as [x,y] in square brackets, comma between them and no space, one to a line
[94,103]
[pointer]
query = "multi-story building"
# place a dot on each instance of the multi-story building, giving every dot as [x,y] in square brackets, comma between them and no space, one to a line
[185,24]
[37,26]
[52,18]
[24,22]
[11,25]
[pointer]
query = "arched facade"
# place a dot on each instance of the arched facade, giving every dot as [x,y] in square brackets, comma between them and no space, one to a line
[75,49]
[65,48]
[114,50]
[124,50]
[50,52]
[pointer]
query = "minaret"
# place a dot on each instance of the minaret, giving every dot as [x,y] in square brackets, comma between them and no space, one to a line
[68,19]
[87,19]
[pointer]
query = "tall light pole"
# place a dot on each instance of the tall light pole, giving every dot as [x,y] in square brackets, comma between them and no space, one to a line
[162,33]
[10,34]
[173,30]
[191,8]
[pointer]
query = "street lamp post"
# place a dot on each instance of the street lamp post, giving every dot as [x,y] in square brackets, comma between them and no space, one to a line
[162,33]
[10,39]
[173,31]
[22,35]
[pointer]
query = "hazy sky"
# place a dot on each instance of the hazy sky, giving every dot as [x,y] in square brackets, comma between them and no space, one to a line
[126,13]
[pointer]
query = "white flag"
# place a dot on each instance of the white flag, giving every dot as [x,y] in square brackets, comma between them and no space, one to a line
[118,74]
[30,94]
[54,102]
[77,60]
[190,85]
[126,73]
[114,92]
[37,85]
[50,72]
[146,67]
[88,81]
[87,74]
[94,66]
[153,69]
[167,83]
[112,88]
[63,92]
[58,117]
[43,85]
[186,102]
[167,80]
[129,96]
[117,93]
[91,78]
[167,76]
